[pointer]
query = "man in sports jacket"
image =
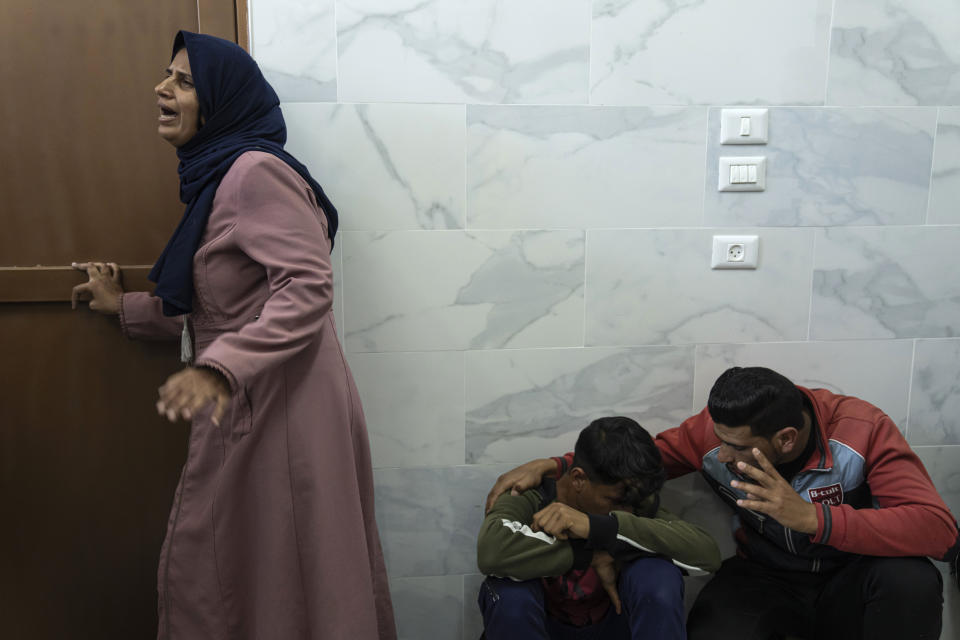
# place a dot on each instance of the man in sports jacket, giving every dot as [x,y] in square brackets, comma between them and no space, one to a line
[592,554]
[834,514]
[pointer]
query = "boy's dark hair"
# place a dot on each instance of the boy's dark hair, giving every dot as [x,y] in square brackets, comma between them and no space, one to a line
[617,449]
[756,396]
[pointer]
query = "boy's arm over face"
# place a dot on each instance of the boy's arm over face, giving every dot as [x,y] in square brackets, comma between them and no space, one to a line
[508,547]
[626,536]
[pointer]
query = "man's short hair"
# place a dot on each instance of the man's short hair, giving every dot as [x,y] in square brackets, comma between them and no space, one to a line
[758,397]
[617,449]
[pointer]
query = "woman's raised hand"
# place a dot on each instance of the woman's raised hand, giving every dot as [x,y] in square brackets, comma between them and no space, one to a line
[103,290]
[190,390]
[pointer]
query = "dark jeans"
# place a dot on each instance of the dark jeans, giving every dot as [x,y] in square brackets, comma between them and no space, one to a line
[871,598]
[651,592]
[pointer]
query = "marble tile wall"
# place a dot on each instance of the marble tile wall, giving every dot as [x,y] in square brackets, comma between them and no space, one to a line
[528,193]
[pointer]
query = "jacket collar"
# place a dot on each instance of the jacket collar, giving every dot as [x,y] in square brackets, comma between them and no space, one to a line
[822,458]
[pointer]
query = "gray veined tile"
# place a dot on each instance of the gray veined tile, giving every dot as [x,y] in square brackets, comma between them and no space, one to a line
[429,518]
[705,52]
[413,403]
[943,465]
[951,604]
[690,497]
[945,181]
[384,166]
[551,167]
[935,395]
[464,51]
[877,371]
[428,608]
[885,283]
[656,287]
[895,52]
[430,290]
[472,620]
[830,167]
[529,404]
[295,44]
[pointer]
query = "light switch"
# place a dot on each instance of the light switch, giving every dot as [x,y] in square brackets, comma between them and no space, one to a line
[743,126]
[742,173]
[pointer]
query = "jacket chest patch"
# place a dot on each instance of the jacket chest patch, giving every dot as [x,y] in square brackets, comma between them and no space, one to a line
[831,494]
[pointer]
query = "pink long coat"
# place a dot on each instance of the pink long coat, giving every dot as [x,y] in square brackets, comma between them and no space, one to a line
[272,534]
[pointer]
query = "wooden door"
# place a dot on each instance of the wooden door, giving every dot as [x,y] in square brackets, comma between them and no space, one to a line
[87,469]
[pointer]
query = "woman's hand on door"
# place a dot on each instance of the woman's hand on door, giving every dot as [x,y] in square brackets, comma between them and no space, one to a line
[103,290]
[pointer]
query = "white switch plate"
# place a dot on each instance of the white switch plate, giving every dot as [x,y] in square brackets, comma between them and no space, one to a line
[732,126]
[755,170]
[735,252]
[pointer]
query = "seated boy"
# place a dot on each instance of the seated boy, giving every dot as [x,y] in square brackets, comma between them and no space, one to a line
[591,555]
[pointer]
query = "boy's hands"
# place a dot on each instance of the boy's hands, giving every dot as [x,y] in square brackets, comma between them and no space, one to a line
[518,480]
[561,521]
[607,570]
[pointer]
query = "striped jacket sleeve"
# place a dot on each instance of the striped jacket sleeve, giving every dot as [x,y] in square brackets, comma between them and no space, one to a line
[626,536]
[508,548]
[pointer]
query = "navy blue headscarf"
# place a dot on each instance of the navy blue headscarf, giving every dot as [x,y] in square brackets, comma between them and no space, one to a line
[241,112]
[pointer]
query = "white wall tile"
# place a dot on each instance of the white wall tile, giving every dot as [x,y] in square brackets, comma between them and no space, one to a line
[553,167]
[429,608]
[524,404]
[895,52]
[830,166]
[295,44]
[943,465]
[486,51]
[885,283]
[429,518]
[945,183]
[690,497]
[877,371]
[472,620]
[426,290]
[951,604]
[709,52]
[656,286]
[413,403]
[525,220]
[935,396]
[384,166]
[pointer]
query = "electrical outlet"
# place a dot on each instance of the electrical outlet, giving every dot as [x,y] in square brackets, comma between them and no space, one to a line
[735,252]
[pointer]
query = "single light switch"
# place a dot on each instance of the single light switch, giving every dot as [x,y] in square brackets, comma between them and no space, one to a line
[743,126]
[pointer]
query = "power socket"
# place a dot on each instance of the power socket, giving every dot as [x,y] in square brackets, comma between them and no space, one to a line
[735,252]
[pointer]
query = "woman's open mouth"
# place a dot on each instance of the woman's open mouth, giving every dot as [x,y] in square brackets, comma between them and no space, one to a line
[167,114]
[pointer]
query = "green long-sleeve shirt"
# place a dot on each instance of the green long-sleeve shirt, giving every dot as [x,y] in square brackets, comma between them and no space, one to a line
[508,548]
